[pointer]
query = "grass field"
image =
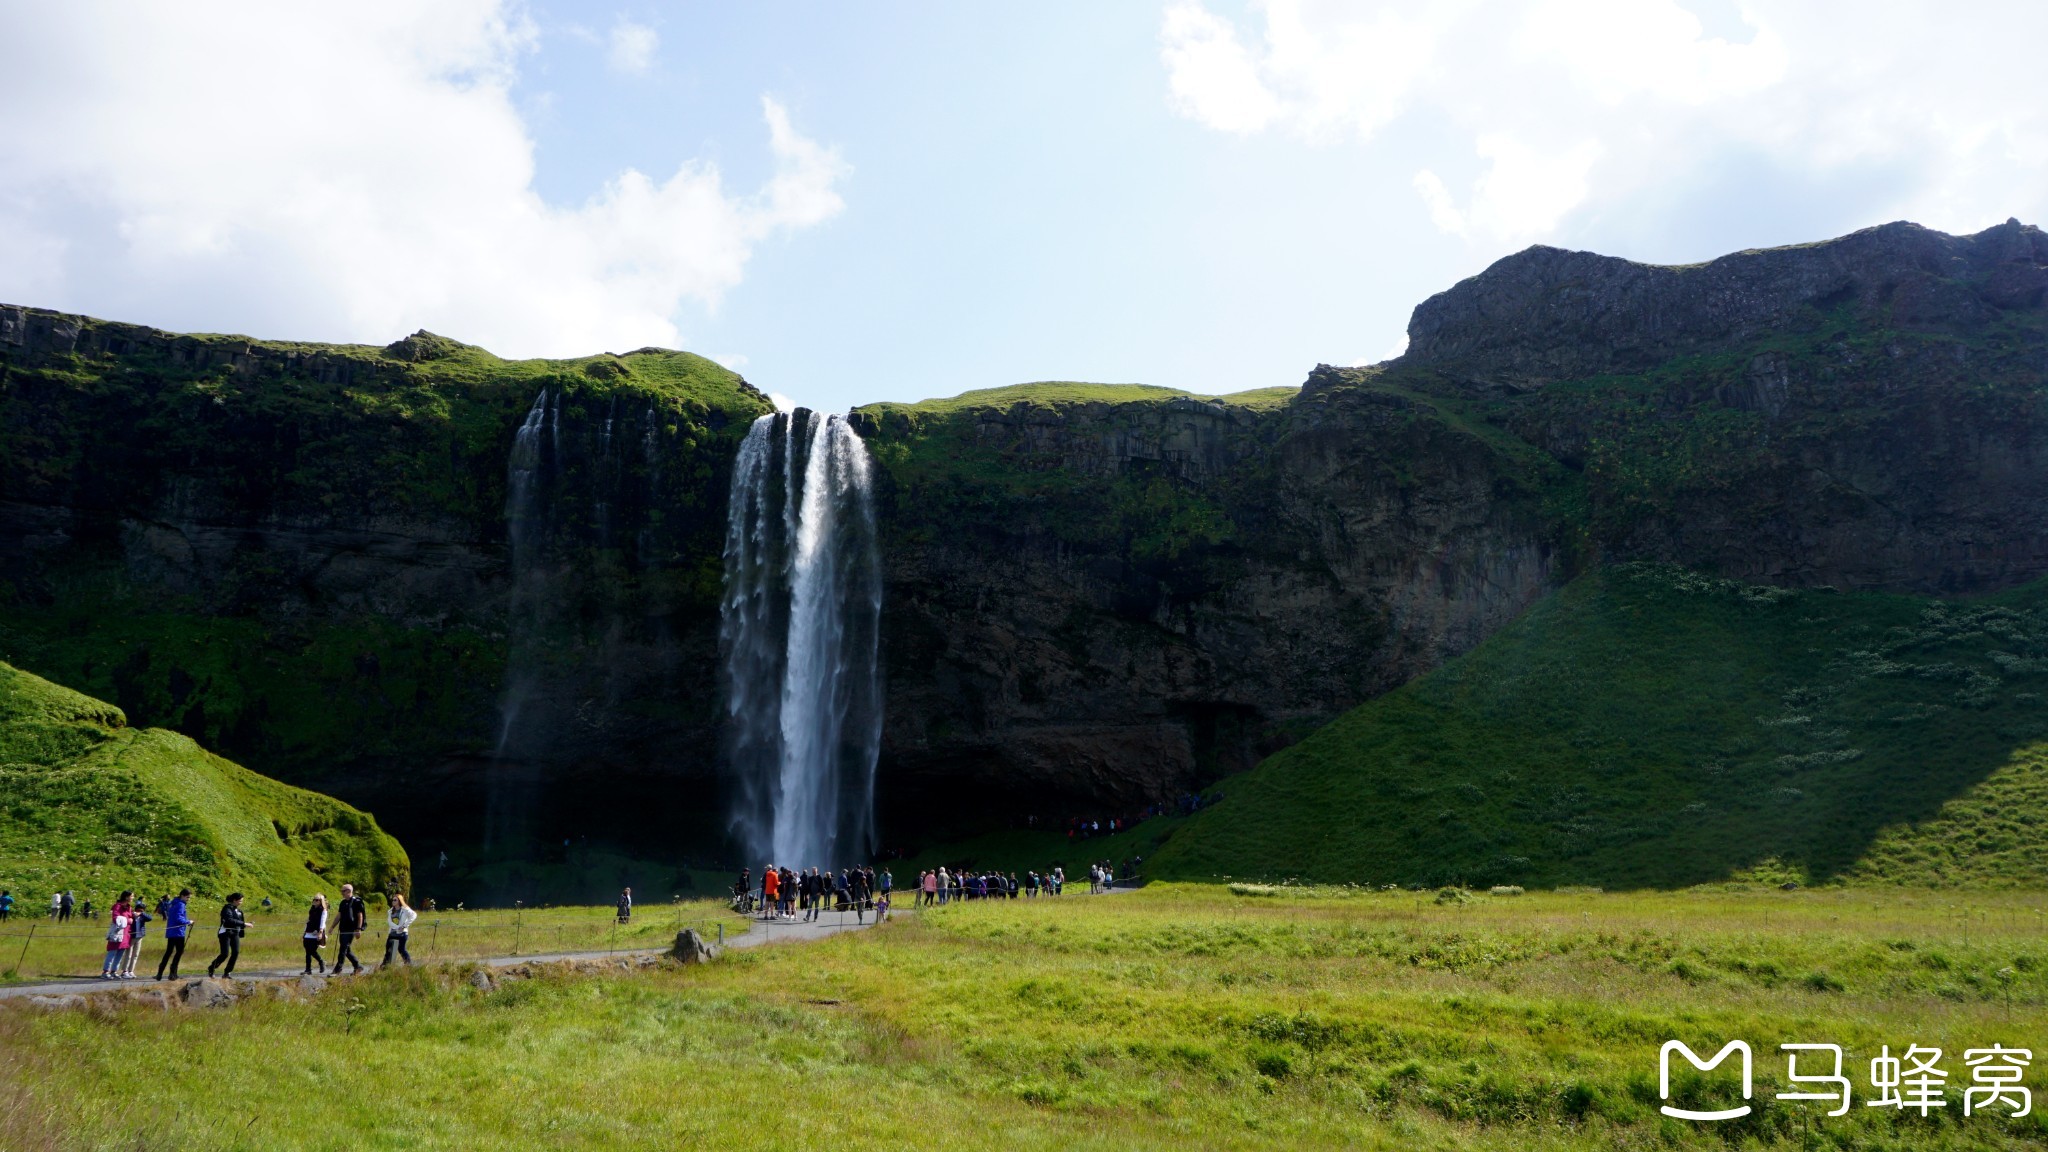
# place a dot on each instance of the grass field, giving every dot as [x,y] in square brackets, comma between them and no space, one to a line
[1183,1017]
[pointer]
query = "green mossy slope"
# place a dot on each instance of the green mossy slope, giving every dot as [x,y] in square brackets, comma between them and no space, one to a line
[90,804]
[1650,727]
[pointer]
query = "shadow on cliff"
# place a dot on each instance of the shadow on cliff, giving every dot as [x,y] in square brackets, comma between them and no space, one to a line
[1652,727]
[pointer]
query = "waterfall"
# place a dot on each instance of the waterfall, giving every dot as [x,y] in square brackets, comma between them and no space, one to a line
[799,625]
[508,800]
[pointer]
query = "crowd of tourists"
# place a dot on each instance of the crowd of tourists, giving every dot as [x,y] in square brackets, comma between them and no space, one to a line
[803,896]
[130,920]
[787,894]
[782,894]
[944,886]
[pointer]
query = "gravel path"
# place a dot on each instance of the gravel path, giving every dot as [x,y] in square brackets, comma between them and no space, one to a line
[760,933]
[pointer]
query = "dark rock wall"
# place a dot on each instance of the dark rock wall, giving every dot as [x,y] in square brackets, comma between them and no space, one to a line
[1094,600]
[299,556]
[1047,658]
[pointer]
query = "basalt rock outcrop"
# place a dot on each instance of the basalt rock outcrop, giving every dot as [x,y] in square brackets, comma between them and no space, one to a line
[1546,314]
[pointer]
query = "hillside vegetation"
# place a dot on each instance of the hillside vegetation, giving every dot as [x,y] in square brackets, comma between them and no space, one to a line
[90,804]
[1648,726]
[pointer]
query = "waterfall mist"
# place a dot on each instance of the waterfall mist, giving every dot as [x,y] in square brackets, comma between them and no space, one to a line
[799,625]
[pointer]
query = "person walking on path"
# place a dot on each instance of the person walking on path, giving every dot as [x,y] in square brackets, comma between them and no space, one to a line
[65,903]
[316,934]
[138,927]
[400,916]
[352,920]
[232,925]
[626,906]
[177,921]
[118,927]
[56,902]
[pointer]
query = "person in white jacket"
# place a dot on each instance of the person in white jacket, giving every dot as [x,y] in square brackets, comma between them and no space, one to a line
[400,918]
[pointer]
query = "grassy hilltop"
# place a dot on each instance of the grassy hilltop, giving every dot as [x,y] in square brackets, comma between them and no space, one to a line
[1649,726]
[90,804]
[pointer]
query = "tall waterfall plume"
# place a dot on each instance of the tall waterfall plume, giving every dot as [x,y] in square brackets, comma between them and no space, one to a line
[799,626]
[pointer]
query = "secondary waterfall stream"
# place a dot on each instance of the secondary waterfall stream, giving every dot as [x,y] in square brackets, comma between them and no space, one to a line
[799,626]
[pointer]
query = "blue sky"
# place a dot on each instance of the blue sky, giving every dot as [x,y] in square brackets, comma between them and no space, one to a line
[861,202]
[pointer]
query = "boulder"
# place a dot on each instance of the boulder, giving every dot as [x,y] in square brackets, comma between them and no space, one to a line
[206,992]
[691,948]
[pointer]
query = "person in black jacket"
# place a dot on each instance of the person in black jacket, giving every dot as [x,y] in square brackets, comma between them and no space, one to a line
[315,934]
[350,921]
[232,925]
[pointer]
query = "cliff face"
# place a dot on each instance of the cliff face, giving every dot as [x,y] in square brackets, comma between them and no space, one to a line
[1099,601]
[1864,413]
[1096,596]
[299,554]
[1546,315]
[1100,598]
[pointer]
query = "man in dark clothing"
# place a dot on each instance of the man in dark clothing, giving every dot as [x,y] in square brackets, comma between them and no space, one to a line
[350,919]
[64,908]
[177,920]
[232,925]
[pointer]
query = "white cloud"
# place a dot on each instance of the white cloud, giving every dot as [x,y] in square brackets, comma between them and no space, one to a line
[350,173]
[1317,74]
[782,403]
[1622,49]
[631,47]
[733,360]
[1394,353]
[1573,107]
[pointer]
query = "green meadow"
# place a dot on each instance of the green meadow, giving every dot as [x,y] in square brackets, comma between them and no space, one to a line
[1178,1016]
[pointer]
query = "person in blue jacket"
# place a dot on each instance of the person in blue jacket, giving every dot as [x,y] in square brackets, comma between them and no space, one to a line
[177,920]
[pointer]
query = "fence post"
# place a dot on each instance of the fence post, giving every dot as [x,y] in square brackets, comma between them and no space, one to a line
[434,939]
[518,923]
[23,958]
[721,933]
